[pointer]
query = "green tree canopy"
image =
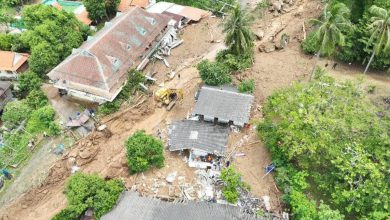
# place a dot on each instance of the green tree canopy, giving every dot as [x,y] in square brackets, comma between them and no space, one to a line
[239,37]
[143,152]
[214,73]
[36,99]
[330,29]
[233,182]
[380,32]
[111,6]
[96,9]
[35,15]
[43,58]
[85,191]
[28,81]
[15,113]
[43,120]
[332,132]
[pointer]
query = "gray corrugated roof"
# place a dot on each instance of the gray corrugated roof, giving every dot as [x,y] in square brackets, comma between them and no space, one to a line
[131,206]
[188,134]
[224,105]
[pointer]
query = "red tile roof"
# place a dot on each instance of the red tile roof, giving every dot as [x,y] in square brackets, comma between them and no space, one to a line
[100,65]
[11,61]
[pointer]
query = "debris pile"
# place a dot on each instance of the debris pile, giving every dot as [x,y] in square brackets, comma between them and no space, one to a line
[168,42]
[281,6]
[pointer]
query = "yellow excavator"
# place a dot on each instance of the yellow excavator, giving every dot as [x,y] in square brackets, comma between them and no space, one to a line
[168,97]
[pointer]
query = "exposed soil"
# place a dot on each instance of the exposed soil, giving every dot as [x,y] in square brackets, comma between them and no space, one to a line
[106,156]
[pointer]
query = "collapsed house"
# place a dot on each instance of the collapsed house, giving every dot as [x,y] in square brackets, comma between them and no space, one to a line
[223,105]
[98,69]
[132,206]
[179,13]
[204,141]
[12,64]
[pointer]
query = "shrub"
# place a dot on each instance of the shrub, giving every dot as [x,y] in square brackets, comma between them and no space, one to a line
[144,151]
[15,148]
[325,213]
[213,73]
[6,41]
[309,46]
[134,78]
[247,86]
[233,182]
[43,120]
[85,191]
[28,82]
[36,99]
[15,113]
[234,62]
[302,207]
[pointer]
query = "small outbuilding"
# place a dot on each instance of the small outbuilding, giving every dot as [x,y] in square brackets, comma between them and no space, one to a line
[204,142]
[223,105]
[12,64]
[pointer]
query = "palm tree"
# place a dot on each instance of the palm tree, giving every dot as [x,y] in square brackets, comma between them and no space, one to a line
[239,37]
[380,32]
[334,21]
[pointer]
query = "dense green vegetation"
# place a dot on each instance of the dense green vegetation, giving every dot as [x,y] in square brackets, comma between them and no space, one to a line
[25,119]
[247,86]
[132,84]
[328,141]
[232,185]
[100,9]
[143,152]
[329,32]
[213,73]
[51,35]
[366,39]
[237,56]
[85,191]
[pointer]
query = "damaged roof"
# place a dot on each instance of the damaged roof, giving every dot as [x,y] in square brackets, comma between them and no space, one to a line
[189,134]
[11,61]
[132,206]
[101,63]
[191,13]
[224,104]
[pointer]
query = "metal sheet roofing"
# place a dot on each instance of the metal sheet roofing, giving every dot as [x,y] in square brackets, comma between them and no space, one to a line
[132,206]
[226,105]
[188,134]
[194,14]
[102,62]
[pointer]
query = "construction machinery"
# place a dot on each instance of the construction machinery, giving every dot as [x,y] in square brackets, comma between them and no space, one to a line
[168,97]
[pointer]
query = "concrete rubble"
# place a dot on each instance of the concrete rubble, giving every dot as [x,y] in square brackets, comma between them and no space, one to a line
[168,42]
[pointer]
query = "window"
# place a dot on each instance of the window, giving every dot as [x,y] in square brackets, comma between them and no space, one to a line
[152,21]
[141,30]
